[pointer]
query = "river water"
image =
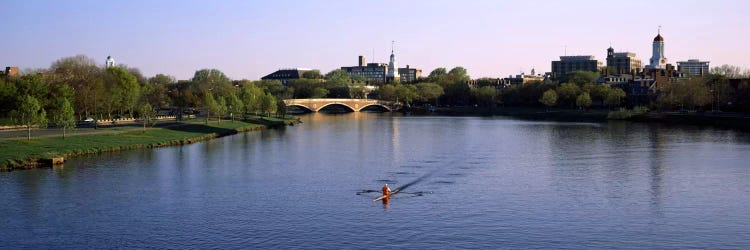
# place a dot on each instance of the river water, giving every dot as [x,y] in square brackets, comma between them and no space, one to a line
[492,182]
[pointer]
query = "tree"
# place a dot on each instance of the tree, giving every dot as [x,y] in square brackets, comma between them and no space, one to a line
[267,103]
[406,93]
[209,103]
[485,96]
[581,77]
[221,108]
[436,74]
[584,100]
[124,88]
[549,98]
[729,71]
[312,74]
[568,93]
[30,113]
[235,105]
[387,92]
[428,91]
[65,117]
[319,92]
[614,97]
[146,112]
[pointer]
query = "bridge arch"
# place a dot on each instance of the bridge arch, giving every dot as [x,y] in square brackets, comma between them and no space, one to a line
[306,108]
[337,104]
[375,105]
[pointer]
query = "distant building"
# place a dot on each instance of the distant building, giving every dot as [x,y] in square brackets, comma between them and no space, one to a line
[380,73]
[110,62]
[286,75]
[409,74]
[693,67]
[393,74]
[569,64]
[522,78]
[658,61]
[622,62]
[372,72]
[10,71]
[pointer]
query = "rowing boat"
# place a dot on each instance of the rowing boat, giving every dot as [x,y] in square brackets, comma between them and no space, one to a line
[386,196]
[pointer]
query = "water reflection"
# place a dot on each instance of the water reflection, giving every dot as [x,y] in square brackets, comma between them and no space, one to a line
[497,183]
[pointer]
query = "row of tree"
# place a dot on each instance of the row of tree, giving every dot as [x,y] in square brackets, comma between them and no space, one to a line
[75,88]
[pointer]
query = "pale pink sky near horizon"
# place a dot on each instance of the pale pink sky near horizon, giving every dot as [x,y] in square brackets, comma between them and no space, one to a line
[249,39]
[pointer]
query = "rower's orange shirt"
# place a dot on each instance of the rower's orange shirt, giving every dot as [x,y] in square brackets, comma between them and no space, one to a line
[386,190]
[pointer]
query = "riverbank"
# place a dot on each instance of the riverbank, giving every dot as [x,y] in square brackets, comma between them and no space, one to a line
[24,154]
[531,113]
[717,119]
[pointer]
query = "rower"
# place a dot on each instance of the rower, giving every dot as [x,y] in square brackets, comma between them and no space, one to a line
[386,190]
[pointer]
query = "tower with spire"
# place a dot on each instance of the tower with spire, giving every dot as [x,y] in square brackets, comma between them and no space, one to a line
[110,62]
[392,67]
[658,61]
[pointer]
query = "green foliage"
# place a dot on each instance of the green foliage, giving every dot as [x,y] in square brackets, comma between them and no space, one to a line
[312,74]
[428,91]
[146,112]
[549,98]
[581,78]
[210,104]
[567,92]
[125,91]
[583,100]
[64,117]
[621,114]
[236,107]
[406,93]
[614,97]
[319,92]
[387,92]
[692,93]
[485,96]
[30,113]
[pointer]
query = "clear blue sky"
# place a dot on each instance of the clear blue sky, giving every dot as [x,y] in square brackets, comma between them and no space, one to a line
[248,39]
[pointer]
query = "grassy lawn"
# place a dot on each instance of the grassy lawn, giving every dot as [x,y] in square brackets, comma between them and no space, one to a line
[17,153]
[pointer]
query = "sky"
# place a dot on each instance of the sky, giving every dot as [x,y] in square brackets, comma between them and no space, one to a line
[249,39]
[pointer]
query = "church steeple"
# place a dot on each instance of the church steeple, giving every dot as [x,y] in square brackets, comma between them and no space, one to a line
[658,60]
[392,67]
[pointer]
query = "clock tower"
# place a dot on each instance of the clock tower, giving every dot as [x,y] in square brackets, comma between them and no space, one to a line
[658,61]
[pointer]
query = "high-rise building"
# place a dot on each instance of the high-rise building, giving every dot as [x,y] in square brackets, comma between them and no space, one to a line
[658,61]
[622,62]
[568,64]
[693,67]
[110,62]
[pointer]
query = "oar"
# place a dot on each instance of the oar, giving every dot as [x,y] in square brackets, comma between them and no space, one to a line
[386,196]
[406,186]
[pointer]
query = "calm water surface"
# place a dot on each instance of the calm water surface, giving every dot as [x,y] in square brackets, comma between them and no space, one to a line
[495,183]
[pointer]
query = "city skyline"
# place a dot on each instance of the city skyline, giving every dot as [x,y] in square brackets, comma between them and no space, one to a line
[251,39]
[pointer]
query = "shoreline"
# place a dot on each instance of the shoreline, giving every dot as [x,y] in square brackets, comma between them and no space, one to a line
[721,120]
[53,149]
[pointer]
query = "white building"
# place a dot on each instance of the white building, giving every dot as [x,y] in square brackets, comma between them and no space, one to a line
[393,75]
[658,61]
[110,62]
[693,67]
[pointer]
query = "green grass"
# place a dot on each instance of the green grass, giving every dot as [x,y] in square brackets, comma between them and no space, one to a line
[23,153]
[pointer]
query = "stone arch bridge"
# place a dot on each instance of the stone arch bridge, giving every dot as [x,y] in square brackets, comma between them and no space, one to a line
[354,105]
